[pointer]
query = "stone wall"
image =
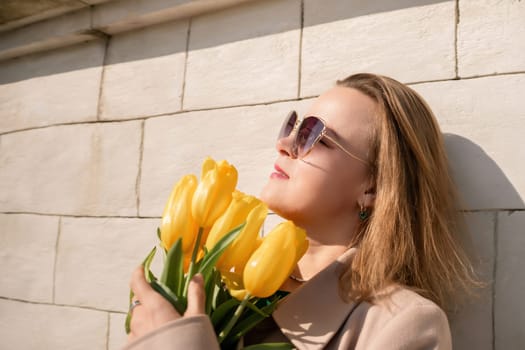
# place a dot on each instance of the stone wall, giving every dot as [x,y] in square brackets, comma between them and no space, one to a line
[96,125]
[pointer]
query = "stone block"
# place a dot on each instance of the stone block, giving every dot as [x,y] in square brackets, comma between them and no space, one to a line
[243,55]
[411,41]
[96,257]
[95,2]
[27,257]
[20,13]
[53,87]
[26,326]
[76,169]
[120,16]
[176,145]
[509,311]
[471,322]
[117,333]
[491,37]
[140,82]
[55,32]
[483,120]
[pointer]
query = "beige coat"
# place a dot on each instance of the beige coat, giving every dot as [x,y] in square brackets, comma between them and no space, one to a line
[315,317]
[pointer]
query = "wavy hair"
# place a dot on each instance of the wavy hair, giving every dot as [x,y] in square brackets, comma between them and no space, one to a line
[410,237]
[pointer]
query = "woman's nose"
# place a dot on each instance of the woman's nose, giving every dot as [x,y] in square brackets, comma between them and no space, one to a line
[284,146]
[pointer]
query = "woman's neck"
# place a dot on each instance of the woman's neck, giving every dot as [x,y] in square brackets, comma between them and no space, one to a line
[327,241]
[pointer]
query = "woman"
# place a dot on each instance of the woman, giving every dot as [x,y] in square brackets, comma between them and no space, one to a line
[366,175]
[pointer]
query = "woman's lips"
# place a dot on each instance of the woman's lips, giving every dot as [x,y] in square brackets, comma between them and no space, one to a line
[278,173]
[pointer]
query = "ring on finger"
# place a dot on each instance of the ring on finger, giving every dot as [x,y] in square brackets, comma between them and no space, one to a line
[133,305]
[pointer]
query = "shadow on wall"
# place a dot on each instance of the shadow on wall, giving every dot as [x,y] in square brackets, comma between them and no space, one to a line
[482,184]
[244,22]
[485,190]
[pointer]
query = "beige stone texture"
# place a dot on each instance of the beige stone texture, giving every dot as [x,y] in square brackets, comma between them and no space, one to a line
[88,169]
[272,220]
[26,326]
[52,87]
[509,311]
[141,82]
[484,120]
[121,16]
[67,29]
[410,41]
[471,321]
[27,256]
[176,145]
[117,333]
[208,82]
[14,14]
[96,257]
[491,37]
[252,56]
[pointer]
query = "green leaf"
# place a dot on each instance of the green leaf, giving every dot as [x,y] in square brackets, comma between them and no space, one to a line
[222,310]
[147,262]
[210,288]
[173,271]
[158,233]
[178,303]
[147,273]
[210,259]
[128,323]
[252,307]
[220,292]
[128,316]
[251,321]
[274,346]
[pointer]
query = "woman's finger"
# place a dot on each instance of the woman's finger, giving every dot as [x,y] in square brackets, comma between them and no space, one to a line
[196,297]
[139,285]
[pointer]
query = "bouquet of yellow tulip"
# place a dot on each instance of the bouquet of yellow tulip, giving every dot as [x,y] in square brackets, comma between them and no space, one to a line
[213,229]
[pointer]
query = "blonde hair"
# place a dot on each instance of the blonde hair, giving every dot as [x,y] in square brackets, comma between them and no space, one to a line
[410,236]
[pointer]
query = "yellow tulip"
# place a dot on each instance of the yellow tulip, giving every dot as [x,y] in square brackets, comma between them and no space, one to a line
[233,282]
[236,213]
[243,208]
[176,219]
[214,192]
[240,250]
[271,264]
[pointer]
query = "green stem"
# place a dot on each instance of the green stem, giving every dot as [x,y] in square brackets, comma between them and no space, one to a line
[191,269]
[224,333]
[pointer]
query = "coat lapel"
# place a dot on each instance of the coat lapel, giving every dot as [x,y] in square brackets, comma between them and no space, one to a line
[313,313]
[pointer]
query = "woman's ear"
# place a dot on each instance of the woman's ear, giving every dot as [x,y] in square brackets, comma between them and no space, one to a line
[369,198]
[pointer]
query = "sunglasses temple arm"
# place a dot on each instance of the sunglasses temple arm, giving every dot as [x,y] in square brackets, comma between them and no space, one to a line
[347,152]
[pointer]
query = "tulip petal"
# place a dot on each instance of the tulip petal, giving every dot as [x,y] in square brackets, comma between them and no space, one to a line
[209,261]
[236,214]
[272,262]
[207,165]
[177,220]
[245,244]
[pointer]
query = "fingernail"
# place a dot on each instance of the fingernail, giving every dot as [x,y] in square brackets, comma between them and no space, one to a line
[198,278]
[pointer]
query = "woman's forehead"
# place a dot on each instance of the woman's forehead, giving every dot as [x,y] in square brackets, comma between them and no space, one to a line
[343,108]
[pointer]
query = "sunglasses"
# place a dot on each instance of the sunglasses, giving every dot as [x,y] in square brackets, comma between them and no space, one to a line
[308,132]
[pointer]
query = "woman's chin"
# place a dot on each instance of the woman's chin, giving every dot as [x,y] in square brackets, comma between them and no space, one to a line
[276,200]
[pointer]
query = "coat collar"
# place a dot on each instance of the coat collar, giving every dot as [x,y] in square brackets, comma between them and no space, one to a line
[312,314]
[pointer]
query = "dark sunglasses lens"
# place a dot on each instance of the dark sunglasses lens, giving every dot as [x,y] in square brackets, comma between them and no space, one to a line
[308,134]
[288,124]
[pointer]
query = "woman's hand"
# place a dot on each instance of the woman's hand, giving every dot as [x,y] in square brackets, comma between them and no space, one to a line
[153,310]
